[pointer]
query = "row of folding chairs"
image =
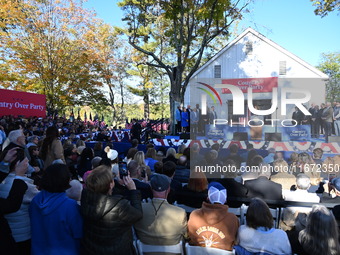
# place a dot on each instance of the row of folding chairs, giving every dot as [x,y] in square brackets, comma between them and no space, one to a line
[188,250]
[179,249]
[240,212]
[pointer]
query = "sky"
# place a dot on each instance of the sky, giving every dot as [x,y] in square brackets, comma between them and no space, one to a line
[289,23]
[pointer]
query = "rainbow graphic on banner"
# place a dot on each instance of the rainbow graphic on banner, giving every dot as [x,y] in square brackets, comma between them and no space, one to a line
[211,92]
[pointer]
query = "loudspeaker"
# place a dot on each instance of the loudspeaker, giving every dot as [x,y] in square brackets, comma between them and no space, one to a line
[240,136]
[334,139]
[276,137]
[184,136]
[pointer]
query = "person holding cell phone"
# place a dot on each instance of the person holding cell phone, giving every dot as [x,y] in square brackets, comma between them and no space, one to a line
[17,140]
[140,179]
[13,200]
[108,218]
[19,221]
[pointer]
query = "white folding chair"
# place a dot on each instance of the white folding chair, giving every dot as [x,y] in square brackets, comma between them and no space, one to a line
[238,212]
[197,250]
[176,249]
[276,216]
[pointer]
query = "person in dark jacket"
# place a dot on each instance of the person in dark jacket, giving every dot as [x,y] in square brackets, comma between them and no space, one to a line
[108,218]
[84,163]
[262,187]
[136,130]
[297,116]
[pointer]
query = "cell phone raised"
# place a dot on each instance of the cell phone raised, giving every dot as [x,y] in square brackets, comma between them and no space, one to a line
[143,173]
[20,154]
[123,169]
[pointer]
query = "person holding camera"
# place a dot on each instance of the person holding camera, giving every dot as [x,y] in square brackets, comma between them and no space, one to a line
[13,201]
[108,218]
[17,140]
[140,178]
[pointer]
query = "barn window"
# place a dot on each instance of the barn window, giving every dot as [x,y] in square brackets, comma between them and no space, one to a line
[249,48]
[282,68]
[217,71]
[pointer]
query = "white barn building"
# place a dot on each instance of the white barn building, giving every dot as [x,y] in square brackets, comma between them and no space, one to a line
[252,60]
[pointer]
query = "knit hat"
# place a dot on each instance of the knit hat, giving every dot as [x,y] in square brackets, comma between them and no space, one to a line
[217,193]
[112,154]
[160,182]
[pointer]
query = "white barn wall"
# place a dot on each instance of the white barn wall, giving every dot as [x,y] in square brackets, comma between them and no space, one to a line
[263,62]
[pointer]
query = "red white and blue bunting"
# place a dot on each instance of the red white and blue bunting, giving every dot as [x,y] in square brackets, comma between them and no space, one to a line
[259,145]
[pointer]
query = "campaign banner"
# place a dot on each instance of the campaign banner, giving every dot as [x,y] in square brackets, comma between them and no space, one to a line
[19,103]
[259,85]
[226,132]
[298,133]
[215,131]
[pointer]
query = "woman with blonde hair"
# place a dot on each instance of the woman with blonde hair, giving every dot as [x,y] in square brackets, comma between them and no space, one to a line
[150,158]
[108,219]
[140,158]
[170,156]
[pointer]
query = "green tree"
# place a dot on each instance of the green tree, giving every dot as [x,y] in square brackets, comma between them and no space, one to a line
[174,34]
[150,85]
[330,65]
[323,7]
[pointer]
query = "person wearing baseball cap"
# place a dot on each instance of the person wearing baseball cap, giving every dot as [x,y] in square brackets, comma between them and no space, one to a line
[162,223]
[212,225]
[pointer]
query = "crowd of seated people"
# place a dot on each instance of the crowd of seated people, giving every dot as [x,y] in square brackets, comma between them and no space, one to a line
[95,199]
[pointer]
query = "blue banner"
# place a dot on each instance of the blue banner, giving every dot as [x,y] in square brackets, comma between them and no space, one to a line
[225,132]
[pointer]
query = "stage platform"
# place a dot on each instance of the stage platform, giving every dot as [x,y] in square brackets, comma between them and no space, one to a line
[330,149]
[290,146]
